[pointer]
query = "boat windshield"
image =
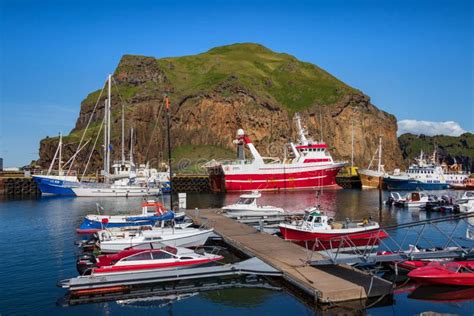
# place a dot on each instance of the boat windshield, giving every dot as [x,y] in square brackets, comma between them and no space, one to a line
[310,218]
[139,256]
[245,201]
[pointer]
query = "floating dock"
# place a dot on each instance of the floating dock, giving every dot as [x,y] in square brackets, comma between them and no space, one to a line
[332,284]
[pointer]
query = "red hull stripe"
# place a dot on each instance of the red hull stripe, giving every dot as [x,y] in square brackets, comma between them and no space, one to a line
[316,160]
[138,267]
[312,146]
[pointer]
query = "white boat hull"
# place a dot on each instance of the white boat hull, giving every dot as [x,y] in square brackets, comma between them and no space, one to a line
[128,191]
[178,238]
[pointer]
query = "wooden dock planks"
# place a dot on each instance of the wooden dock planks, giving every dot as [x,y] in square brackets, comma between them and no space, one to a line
[327,285]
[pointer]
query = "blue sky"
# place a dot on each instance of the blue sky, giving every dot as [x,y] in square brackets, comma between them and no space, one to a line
[413,58]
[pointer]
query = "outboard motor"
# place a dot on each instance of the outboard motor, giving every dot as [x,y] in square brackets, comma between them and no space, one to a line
[390,201]
[85,263]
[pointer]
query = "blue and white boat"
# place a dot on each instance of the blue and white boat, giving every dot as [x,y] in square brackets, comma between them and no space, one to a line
[95,222]
[422,175]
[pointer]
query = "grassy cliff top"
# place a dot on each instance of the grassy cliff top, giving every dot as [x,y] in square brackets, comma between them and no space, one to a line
[278,78]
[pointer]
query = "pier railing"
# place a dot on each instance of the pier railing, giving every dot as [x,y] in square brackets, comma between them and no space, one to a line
[343,250]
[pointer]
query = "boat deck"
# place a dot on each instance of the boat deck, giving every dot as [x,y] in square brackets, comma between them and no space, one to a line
[337,283]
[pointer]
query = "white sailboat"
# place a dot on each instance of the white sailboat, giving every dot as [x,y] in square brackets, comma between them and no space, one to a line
[123,186]
[124,181]
[373,178]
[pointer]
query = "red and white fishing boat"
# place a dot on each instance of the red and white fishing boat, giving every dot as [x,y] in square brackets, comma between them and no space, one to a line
[459,273]
[139,259]
[327,234]
[307,165]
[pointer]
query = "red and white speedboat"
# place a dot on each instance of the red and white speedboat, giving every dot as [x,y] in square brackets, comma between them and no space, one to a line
[139,259]
[307,165]
[327,234]
[409,265]
[460,273]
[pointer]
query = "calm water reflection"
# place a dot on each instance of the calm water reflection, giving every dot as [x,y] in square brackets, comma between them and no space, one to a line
[37,246]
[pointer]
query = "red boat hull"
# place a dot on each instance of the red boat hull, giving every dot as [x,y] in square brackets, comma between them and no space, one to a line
[279,180]
[366,238]
[442,274]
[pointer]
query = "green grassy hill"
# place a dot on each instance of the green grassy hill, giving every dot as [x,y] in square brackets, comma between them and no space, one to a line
[278,78]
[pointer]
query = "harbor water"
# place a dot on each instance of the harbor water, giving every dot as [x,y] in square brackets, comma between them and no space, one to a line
[37,250]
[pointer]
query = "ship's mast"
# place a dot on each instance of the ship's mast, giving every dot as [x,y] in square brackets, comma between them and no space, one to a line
[109,92]
[301,131]
[123,134]
[167,103]
[105,138]
[380,154]
[352,144]
[107,107]
[131,146]
[60,168]
[55,155]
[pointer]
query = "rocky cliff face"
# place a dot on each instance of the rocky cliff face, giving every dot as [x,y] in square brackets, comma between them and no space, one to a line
[238,86]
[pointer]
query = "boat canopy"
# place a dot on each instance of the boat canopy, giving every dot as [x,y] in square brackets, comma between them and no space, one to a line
[251,195]
[165,217]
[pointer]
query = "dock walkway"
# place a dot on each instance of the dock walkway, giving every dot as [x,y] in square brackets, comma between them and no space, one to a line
[326,284]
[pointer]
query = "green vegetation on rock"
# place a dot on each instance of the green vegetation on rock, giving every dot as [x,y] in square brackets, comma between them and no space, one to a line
[460,148]
[276,77]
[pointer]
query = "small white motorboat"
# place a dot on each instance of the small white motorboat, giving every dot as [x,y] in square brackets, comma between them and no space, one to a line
[115,241]
[466,207]
[247,206]
[467,196]
[413,199]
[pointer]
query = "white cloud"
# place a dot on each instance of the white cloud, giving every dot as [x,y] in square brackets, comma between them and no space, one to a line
[428,128]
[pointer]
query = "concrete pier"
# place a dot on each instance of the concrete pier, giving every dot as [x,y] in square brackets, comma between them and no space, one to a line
[332,284]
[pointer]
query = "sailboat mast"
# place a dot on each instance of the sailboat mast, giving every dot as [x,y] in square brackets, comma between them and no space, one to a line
[60,168]
[123,134]
[105,138]
[109,106]
[131,146]
[352,144]
[167,102]
[380,154]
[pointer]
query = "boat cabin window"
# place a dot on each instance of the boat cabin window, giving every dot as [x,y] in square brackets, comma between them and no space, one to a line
[316,219]
[161,255]
[245,201]
[139,256]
